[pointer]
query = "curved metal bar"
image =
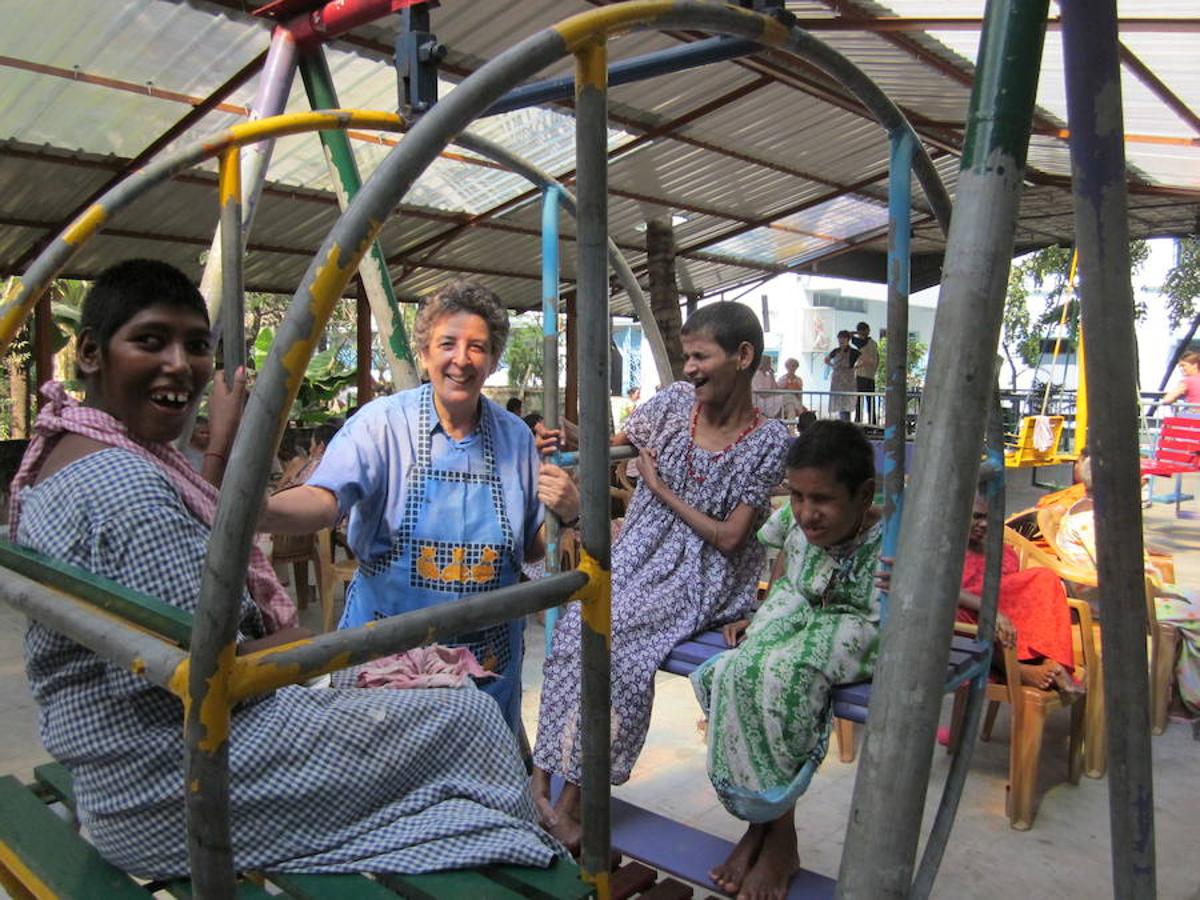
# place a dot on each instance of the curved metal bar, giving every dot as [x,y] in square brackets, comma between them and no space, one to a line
[29,288]
[325,279]
[896,399]
[267,670]
[591,166]
[233,308]
[893,774]
[616,259]
[108,635]
[1093,80]
[989,601]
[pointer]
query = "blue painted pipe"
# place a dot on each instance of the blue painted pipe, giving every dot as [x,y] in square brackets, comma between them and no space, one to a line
[899,247]
[550,200]
[638,68]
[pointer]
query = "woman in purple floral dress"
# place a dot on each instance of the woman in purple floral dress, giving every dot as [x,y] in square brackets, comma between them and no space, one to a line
[685,558]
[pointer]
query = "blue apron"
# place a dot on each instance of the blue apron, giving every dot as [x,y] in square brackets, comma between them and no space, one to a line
[454,539]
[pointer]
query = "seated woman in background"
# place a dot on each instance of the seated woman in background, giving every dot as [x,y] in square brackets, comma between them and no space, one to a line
[1076,542]
[767,701]
[320,780]
[1032,614]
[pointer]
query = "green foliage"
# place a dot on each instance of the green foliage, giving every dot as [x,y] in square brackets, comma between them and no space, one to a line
[915,364]
[523,355]
[324,379]
[1046,273]
[1182,285]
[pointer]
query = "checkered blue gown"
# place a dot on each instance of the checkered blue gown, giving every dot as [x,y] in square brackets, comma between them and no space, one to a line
[321,780]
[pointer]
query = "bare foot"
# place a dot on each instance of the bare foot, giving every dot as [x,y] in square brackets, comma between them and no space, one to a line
[539,789]
[566,825]
[728,876]
[777,861]
[1039,675]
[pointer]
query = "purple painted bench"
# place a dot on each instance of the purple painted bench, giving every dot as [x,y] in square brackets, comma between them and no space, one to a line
[686,852]
[850,701]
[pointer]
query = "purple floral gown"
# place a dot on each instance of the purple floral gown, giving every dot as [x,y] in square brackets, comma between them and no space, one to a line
[667,582]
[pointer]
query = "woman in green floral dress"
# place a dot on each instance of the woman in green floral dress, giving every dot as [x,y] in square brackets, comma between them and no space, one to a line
[768,700]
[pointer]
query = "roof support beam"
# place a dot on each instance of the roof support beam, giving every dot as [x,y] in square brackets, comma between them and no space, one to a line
[1157,86]
[1130,24]
[198,112]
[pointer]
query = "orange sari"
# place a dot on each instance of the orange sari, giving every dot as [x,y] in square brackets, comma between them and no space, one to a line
[1035,601]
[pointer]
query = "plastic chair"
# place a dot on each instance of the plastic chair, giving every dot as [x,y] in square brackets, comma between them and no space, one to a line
[299,550]
[1095,738]
[330,571]
[1030,706]
[1163,636]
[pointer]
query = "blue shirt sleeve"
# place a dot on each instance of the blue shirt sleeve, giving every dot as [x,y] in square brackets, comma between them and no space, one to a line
[354,465]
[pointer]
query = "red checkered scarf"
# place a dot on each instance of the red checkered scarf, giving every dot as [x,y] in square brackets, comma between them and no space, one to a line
[64,414]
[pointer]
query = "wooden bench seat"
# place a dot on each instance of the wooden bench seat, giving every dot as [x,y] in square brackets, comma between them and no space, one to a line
[42,855]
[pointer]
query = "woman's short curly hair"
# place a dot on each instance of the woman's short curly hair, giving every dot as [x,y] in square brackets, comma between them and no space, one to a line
[463,296]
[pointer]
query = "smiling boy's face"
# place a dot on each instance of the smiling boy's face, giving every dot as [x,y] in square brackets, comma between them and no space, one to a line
[152,372]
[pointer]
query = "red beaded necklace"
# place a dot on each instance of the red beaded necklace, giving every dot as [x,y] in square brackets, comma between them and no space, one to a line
[692,443]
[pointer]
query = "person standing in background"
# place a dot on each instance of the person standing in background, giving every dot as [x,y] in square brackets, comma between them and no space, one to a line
[1188,388]
[764,380]
[841,361]
[793,404]
[864,370]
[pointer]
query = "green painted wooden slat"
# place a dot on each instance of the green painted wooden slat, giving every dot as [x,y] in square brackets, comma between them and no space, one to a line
[448,886]
[64,862]
[330,887]
[559,882]
[56,780]
[162,618]
[246,890]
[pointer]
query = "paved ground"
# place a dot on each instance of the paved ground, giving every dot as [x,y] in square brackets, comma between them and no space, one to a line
[1065,855]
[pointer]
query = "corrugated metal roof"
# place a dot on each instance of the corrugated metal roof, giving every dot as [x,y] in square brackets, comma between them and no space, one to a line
[736,146]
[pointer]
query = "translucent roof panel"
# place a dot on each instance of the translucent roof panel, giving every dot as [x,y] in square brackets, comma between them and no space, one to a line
[800,236]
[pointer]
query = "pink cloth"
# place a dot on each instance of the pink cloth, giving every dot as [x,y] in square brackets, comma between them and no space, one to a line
[422,667]
[64,414]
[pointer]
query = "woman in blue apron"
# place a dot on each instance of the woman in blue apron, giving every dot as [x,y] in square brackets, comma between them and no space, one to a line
[444,488]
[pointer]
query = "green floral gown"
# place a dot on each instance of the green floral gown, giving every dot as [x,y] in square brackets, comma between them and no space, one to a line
[768,700]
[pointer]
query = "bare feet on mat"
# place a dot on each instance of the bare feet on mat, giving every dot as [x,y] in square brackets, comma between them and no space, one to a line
[728,876]
[777,862]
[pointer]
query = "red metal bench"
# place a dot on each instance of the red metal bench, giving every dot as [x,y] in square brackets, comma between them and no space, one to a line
[1176,453]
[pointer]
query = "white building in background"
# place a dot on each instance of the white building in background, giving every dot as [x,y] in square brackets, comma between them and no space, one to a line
[802,315]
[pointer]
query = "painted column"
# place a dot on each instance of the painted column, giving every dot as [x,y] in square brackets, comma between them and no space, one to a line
[233,319]
[906,700]
[346,180]
[896,385]
[550,369]
[1102,236]
[591,122]
[274,84]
